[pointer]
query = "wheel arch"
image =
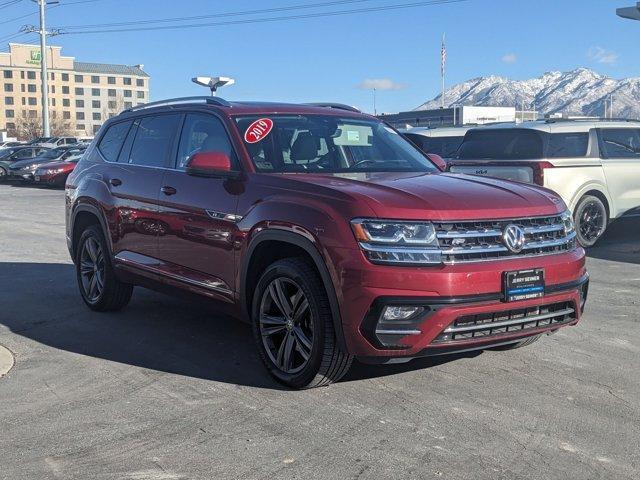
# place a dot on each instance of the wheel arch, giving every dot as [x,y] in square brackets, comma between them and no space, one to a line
[296,245]
[598,194]
[83,216]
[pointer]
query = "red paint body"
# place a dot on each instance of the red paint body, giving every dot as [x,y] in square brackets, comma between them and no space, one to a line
[184,240]
[56,179]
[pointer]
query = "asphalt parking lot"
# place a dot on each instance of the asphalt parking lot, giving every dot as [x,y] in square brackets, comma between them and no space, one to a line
[171,390]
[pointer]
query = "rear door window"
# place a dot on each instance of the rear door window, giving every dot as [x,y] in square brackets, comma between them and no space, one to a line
[112,140]
[619,142]
[203,133]
[502,144]
[154,140]
[562,145]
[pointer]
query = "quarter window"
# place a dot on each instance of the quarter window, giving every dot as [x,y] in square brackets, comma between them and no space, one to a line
[112,141]
[620,143]
[203,133]
[563,145]
[154,140]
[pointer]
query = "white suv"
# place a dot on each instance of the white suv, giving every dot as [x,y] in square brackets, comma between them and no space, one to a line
[593,164]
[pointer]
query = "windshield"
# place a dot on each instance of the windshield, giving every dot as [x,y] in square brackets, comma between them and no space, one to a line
[328,144]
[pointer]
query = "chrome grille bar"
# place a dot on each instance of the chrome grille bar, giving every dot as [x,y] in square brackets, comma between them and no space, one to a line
[506,323]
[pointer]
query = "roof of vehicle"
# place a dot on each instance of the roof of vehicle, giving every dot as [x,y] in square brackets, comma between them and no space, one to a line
[438,131]
[566,125]
[252,108]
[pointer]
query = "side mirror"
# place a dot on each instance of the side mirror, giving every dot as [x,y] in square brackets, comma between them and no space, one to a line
[210,164]
[438,161]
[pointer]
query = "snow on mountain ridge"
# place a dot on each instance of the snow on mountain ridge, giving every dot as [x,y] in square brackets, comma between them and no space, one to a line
[578,92]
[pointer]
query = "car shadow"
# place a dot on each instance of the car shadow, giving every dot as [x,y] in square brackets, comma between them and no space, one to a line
[40,301]
[620,243]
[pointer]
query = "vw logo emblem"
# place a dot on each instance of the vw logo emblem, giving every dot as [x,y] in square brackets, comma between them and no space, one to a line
[513,238]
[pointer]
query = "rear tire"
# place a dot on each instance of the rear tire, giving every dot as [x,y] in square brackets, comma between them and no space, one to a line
[293,326]
[591,219]
[100,288]
[3,174]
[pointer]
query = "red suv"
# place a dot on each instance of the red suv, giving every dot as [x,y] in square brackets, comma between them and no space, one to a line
[324,228]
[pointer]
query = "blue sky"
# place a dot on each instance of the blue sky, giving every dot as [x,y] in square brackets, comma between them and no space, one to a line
[328,59]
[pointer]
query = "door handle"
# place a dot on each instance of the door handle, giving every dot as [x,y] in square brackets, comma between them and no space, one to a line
[168,190]
[116,182]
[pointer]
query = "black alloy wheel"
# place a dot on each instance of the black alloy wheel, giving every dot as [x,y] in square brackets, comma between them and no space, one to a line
[590,220]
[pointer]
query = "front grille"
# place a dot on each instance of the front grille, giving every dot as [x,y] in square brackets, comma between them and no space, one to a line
[495,324]
[482,240]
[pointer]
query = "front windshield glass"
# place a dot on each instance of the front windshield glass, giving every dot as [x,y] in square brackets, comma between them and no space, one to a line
[327,144]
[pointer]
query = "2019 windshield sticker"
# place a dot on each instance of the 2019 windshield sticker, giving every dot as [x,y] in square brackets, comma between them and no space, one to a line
[258,130]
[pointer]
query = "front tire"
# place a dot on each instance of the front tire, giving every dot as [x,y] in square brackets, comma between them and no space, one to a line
[293,326]
[100,288]
[591,219]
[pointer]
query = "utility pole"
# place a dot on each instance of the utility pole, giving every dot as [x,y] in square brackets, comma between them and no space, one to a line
[443,61]
[375,110]
[42,31]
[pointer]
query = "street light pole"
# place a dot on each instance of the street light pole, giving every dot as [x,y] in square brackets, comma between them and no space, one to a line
[43,70]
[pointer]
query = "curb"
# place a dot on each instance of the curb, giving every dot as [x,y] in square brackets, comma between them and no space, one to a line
[6,361]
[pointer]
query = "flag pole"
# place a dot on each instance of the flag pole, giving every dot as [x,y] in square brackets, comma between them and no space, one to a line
[443,58]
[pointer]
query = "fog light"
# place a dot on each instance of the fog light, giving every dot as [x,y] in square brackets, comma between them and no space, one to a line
[392,313]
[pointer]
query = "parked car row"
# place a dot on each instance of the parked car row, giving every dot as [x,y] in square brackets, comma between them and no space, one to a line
[594,165]
[39,164]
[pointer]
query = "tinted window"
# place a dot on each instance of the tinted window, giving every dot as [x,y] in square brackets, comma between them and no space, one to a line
[203,133]
[154,140]
[568,144]
[24,153]
[620,143]
[443,146]
[112,140]
[507,144]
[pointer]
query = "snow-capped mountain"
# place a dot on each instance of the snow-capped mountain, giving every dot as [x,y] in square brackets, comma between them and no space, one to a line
[578,92]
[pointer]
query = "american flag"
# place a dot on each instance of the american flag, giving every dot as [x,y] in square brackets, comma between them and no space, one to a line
[443,56]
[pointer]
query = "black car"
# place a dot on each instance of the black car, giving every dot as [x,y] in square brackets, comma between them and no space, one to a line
[23,170]
[11,155]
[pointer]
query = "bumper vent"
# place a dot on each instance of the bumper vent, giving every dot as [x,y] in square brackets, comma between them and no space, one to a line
[495,324]
[477,241]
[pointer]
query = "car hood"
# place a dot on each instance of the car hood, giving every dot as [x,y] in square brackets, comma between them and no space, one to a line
[64,165]
[438,196]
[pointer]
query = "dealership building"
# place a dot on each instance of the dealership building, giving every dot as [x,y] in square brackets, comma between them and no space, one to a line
[81,95]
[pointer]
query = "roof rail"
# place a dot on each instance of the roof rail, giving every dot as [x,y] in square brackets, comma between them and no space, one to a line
[338,106]
[594,119]
[181,100]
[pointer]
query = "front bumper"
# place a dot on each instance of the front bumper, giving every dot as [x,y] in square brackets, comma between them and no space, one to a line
[24,175]
[50,178]
[450,295]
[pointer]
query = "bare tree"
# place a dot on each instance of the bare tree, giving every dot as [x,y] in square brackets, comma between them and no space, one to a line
[29,125]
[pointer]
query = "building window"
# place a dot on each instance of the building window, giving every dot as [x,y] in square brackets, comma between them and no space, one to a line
[79,103]
[65,90]
[80,127]
[9,113]
[95,79]
[22,74]
[11,127]
[96,129]
[111,80]
[31,75]
[128,105]
[8,87]
[95,104]
[65,77]
[53,75]
[112,105]
[22,88]
[8,100]
[79,115]
[140,82]
[95,92]
[97,116]
[53,102]
[79,91]
[79,78]
[126,80]
[33,113]
[111,92]
[66,102]
[66,115]
[24,101]
[140,94]
[127,93]
[53,89]
[8,74]
[33,101]
[31,88]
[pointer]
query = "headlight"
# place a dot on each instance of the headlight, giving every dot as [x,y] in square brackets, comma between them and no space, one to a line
[400,242]
[567,220]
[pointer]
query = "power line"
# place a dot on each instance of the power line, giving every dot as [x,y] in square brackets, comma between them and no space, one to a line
[9,3]
[219,15]
[273,19]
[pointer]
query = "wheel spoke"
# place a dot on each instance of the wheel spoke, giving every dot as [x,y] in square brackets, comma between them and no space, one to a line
[302,338]
[276,289]
[92,286]
[86,267]
[299,312]
[91,249]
